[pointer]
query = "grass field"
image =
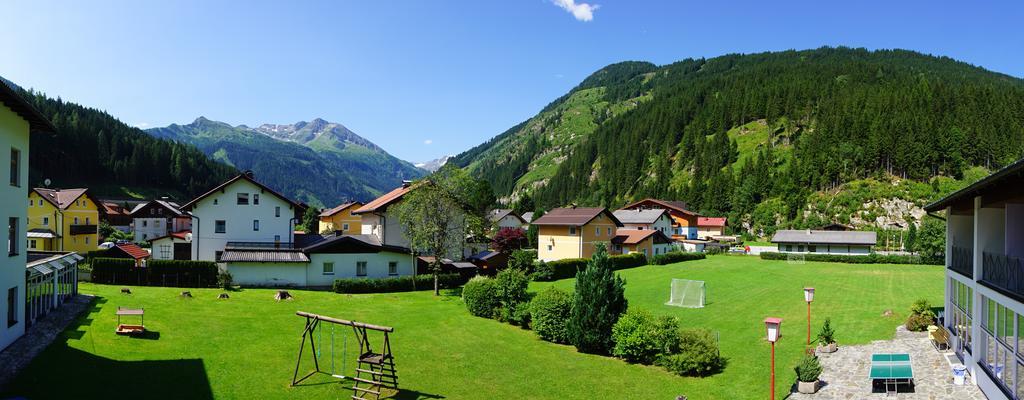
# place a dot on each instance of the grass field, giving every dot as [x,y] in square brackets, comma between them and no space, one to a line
[245,347]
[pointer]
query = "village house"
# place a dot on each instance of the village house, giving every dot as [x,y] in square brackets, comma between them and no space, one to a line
[63,220]
[808,241]
[130,251]
[984,300]
[505,218]
[708,228]
[340,219]
[158,218]
[172,246]
[379,219]
[684,222]
[650,219]
[116,215]
[650,242]
[573,232]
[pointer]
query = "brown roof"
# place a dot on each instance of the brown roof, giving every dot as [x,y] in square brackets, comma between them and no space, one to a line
[382,202]
[36,121]
[111,208]
[636,236]
[183,235]
[578,216]
[248,177]
[133,250]
[62,198]
[710,221]
[340,208]
[679,206]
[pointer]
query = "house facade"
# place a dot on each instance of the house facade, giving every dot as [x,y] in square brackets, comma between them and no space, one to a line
[657,219]
[379,219]
[650,242]
[984,300]
[852,243]
[173,246]
[574,232]
[707,227]
[340,219]
[158,218]
[17,121]
[684,222]
[243,211]
[505,218]
[63,220]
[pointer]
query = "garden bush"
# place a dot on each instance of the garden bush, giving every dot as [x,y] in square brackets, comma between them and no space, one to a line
[826,335]
[562,269]
[640,337]
[396,284]
[513,301]
[631,260]
[549,311]
[542,272]
[597,303]
[809,369]
[523,260]
[921,315]
[676,256]
[224,280]
[481,296]
[873,258]
[111,270]
[698,354]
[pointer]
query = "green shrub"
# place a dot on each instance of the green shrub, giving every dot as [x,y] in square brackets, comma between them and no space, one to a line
[481,296]
[873,258]
[597,303]
[224,280]
[918,322]
[922,307]
[640,337]
[183,272]
[809,369]
[396,284]
[826,335]
[564,268]
[698,354]
[510,288]
[568,267]
[523,259]
[542,272]
[550,311]
[676,256]
[713,250]
[631,260]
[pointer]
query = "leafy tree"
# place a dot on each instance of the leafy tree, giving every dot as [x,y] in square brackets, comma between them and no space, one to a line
[911,240]
[931,239]
[597,303]
[311,220]
[509,239]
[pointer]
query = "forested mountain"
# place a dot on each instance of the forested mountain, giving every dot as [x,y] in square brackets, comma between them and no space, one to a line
[319,162]
[93,149]
[792,138]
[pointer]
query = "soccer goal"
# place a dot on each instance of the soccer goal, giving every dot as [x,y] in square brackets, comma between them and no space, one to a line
[795,259]
[687,293]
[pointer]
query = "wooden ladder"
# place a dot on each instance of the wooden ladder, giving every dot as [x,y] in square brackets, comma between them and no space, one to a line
[374,371]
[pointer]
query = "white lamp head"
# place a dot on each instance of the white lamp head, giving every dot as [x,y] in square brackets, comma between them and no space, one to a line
[808,294]
[774,326]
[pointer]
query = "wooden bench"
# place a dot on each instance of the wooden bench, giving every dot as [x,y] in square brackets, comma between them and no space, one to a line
[939,337]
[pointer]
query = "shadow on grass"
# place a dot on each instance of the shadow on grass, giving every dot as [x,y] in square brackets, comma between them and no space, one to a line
[452,292]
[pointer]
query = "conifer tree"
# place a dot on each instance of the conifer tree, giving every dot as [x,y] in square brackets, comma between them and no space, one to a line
[597,303]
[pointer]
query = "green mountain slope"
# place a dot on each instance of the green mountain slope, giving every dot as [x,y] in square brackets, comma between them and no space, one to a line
[318,162]
[765,136]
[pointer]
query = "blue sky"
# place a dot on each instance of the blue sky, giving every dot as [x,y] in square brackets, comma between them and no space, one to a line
[428,78]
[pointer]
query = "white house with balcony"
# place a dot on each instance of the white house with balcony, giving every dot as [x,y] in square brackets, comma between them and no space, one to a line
[158,218]
[241,211]
[984,301]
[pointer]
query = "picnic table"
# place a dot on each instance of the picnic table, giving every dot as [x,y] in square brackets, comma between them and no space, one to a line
[892,369]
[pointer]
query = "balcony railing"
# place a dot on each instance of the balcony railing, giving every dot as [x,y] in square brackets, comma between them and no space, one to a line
[83,229]
[260,246]
[1003,273]
[962,261]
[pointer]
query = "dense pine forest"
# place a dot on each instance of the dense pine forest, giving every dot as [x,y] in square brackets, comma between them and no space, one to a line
[732,133]
[93,149]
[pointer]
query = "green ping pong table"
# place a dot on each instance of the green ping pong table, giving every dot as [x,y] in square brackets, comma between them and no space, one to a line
[891,370]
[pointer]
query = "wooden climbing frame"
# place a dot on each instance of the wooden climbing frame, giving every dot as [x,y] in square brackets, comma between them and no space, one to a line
[374,370]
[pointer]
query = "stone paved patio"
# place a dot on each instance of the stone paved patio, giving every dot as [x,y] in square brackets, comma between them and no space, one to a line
[19,354]
[845,374]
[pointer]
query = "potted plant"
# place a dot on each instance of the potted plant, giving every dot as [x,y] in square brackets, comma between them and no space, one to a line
[826,338]
[807,373]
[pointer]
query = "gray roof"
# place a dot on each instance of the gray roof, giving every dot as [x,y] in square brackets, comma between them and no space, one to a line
[527,216]
[286,256]
[648,216]
[826,237]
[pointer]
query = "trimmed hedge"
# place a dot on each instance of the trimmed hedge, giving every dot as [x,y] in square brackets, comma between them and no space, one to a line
[676,256]
[481,296]
[111,270]
[397,284]
[156,272]
[631,260]
[873,258]
[568,267]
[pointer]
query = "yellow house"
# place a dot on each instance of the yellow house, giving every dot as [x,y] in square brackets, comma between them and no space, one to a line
[573,232]
[62,220]
[340,219]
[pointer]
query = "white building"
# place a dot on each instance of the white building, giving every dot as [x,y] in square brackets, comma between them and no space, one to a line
[173,246]
[158,218]
[984,299]
[242,211]
[17,119]
[505,218]
[380,220]
[657,219]
[851,243]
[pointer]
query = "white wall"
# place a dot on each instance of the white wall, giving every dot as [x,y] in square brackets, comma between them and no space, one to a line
[345,266]
[386,227]
[1014,243]
[239,220]
[268,274]
[13,134]
[510,221]
[156,251]
[148,228]
[845,250]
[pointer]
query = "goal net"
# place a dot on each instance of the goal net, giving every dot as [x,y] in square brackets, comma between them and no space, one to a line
[687,293]
[795,258]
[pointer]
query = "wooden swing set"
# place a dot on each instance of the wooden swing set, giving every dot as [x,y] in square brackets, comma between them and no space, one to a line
[375,370]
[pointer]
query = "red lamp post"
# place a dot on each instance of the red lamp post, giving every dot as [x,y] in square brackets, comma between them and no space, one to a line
[808,297]
[774,326]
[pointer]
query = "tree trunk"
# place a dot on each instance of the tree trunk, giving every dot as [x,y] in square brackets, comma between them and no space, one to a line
[437,289]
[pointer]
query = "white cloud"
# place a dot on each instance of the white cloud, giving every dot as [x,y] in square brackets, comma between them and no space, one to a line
[428,141]
[142,125]
[581,11]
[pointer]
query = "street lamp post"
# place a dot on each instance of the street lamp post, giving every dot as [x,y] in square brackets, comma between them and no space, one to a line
[774,327]
[808,297]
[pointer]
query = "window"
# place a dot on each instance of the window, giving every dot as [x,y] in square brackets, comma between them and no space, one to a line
[344,227]
[277,211]
[255,199]
[217,254]
[86,240]
[550,247]
[812,248]
[145,223]
[800,248]
[255,224]
[32,243]
[609,231]
[328,268]
[360,268]
[30,202]
[145,236]
[76,220]
[277,238]
[15,167]
[572,231]
[46,221]
[392,268]
[243,199]
[12,306]
[220,226]
[12,236]
[165,251]
[645,252]
[40,203]
[789,247]
[87,221]
[999,340]
[215,202]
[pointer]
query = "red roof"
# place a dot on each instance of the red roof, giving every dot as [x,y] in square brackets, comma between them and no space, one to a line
[677,206]
[577,216]
[382,202]
[710,221]
[636,236]
[183,235]
[133,250]
[111,208]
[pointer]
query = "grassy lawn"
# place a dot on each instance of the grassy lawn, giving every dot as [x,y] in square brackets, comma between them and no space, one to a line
[245,347]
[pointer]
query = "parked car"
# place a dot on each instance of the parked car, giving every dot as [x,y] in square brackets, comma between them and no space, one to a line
[106,245]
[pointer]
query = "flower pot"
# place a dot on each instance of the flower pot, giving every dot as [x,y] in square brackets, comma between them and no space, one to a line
[830,348]
[807,387]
